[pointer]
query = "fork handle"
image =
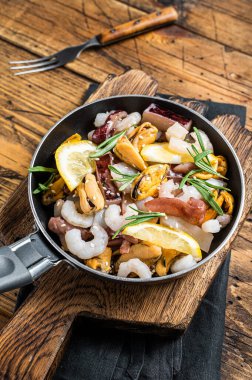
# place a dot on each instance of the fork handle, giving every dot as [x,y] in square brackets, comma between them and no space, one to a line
[134,27]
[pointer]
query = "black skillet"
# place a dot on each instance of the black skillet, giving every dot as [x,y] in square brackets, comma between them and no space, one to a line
[24,261]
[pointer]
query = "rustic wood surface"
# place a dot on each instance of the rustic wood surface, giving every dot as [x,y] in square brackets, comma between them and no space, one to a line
[199,57]
[166,308]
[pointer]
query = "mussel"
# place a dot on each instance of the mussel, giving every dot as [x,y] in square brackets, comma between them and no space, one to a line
[143,135]
[148,182]
[101,262]
[149,254]
[129,154]
[91,198]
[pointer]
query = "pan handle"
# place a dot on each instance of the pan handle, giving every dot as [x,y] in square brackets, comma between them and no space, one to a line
[24,261]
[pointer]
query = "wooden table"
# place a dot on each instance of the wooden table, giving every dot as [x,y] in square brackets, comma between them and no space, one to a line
[207,55]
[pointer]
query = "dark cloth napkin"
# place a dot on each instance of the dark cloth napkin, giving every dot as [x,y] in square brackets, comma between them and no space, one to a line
[96,352]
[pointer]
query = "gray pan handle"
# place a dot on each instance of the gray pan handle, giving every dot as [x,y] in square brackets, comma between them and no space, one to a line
[24,261]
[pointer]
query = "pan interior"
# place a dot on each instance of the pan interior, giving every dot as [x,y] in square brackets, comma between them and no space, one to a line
[81,121]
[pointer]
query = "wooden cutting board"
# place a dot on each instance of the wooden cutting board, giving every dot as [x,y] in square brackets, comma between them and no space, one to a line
[32,344]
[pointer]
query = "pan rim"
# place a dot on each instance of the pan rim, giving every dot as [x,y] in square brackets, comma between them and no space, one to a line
[71,260]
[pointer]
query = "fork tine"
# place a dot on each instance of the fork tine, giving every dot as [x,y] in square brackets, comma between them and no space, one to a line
[45,68]
[33,65]
[33,60]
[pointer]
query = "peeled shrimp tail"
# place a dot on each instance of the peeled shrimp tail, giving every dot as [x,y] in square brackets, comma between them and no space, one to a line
[183,263]
[113,217]
[136,266]
[87,250]
[72,216]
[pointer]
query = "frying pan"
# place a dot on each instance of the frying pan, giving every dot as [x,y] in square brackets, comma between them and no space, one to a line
[25,260]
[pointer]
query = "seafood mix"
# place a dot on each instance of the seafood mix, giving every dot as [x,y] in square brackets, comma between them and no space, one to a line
[142,197]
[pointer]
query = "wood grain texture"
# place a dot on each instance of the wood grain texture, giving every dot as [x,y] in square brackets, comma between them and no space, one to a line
[143,23]
[210,19]
[171,307]
[182,61]
[206,56]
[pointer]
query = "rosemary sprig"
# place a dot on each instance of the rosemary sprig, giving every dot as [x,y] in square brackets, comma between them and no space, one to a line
[186,177]
[44,186]
[141,217]
[106,145]
[204,188]
[201,142]
[207,195]
[207,184]
[40,169]
[126,179]
[201,159]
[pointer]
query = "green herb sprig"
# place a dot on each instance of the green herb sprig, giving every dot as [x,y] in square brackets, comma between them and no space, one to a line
[201,159]
[141,217]
[44,186]
[207,195]
[205,189]
[106,145]
[125,179]
[41,169]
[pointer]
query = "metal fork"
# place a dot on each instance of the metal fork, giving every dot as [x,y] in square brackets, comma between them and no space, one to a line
[129,29]
[53,61]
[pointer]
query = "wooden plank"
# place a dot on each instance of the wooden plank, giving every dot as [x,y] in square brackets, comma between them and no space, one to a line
[37,117]
[237,355]
[27,110]
[185,64]
[237,346]
[220,21]
[45,307]
[223,61]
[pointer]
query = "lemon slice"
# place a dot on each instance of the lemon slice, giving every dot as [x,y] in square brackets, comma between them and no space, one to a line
[160,152]
[73,138]
[73,163]
[165,237]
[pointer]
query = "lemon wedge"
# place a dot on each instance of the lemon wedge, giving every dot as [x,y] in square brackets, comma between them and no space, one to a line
[160,152]
[73,162]
[165,237]
[73,138]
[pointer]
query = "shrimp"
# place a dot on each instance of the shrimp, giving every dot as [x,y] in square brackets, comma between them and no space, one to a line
[132,119]
[183,263]
[72,216]
[99,218]
[101,118]
[136,266]
[87,250]
[113,217]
